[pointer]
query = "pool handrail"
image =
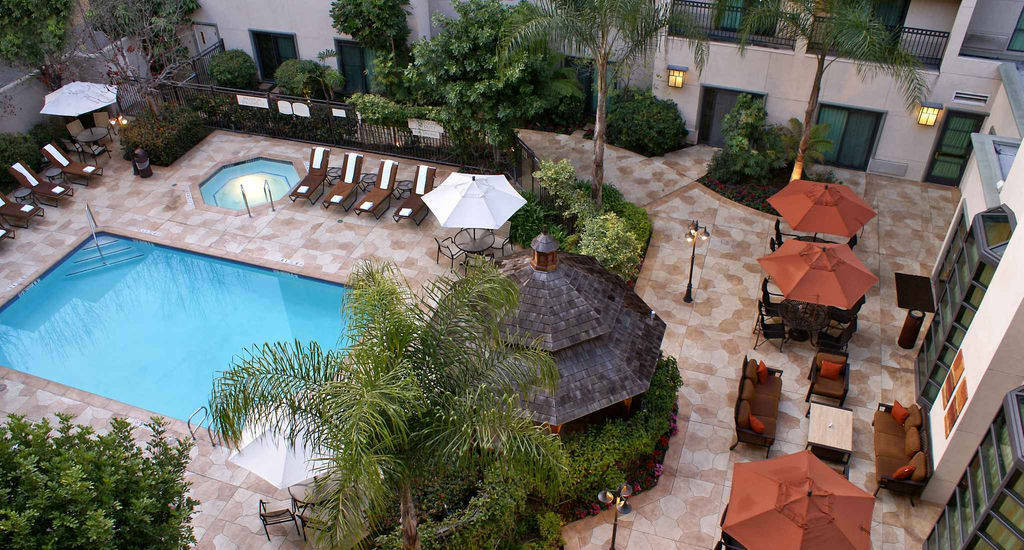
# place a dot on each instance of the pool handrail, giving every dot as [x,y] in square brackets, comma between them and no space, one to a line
[192,430]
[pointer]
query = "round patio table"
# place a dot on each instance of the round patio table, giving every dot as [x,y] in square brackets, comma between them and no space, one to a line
[403,188]
[90,135]
[22,195]
[472,241]
[803,318]
[333,174]
[366,181]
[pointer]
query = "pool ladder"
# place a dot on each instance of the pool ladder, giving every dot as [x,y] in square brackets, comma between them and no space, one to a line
[268,195]
[199,425]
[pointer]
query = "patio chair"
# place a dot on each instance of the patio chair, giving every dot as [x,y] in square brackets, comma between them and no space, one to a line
[95,149]
[83,172]
[500,247]
[319,158]
[769,306]
[448,249]
[346,189]
[74,146]
[832,390]
[75,127]
[833,458]
[771,244]
[42,190]
[779,233]
[20,212]
[852,242]
[833,340]
[727,542]
[765,331]
[6,232]
[276,517]
[377,202]
[413,207]
[102,120]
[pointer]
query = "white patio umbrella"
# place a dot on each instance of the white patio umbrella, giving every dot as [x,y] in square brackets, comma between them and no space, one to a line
[274,459]
[474,201]
[76,98]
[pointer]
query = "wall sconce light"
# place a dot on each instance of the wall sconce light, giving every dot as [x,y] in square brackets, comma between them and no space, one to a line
[929,113]
[677,75]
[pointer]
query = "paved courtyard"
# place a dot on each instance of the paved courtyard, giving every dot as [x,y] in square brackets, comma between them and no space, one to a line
[709,336]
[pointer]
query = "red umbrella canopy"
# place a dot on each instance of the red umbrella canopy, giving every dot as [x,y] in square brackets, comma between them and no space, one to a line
[819,273]
[815,207]
[796,502]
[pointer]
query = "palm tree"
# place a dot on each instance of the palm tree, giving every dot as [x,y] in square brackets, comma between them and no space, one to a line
[609,31]
[426,380]
[836,29]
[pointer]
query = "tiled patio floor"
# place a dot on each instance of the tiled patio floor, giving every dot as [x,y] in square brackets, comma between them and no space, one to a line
[709,336]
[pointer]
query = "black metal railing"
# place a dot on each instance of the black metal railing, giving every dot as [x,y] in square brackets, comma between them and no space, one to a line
[725,25]
[329,123]
[926,45]
[197,70]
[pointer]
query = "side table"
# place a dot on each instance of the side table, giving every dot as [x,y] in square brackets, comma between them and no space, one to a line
[366,181]
[53,173]
[23,195]
[403,188]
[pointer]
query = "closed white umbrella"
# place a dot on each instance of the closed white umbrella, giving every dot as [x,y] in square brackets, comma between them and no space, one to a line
[76,98]
[474,201]
[274,459]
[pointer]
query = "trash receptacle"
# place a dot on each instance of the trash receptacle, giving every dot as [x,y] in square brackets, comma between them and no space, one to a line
[140,164]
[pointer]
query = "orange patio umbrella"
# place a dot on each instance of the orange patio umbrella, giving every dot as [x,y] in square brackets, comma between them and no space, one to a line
[815,207]
[819,273]
[796,502]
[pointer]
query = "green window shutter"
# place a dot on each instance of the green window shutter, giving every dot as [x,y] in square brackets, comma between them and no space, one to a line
[836,120]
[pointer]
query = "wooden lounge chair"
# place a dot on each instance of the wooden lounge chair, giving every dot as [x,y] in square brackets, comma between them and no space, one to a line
[315,177]
[11,212]
[346,189]
[83,172]
[413,207]
[378,201]
[42,190]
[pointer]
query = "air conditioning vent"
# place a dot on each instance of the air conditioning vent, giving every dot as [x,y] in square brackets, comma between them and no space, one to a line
[970,98]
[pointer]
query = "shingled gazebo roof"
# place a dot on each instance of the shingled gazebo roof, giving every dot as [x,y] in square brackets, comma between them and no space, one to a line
[605,340]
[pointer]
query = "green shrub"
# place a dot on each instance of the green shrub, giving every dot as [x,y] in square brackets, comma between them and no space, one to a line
[609,240]
[165,137]
[16,148]
[377,109]
[535,216]
[754,152]
[67,487]
[644,124]
[307,78]
[234,69]
[50,130]
[635,218]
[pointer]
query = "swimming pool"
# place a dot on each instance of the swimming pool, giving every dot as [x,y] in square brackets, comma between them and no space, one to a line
[153,326]
[224,187]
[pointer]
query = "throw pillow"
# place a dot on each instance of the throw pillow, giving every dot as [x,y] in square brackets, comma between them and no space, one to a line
[913,442]
[748,390]
[762,373]
[756,424]
[743,414]
[920,467]
[914,420]
[899,412]
[904,472]
[830,370]
[750,371]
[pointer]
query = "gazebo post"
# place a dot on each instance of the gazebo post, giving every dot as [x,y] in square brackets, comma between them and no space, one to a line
[555,428]
[628,402]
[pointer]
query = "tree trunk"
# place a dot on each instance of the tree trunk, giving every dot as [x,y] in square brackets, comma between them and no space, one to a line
[812,105]
[600,125]
[410,533]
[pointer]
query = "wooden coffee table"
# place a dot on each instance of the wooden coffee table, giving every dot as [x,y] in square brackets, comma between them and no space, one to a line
[830,433]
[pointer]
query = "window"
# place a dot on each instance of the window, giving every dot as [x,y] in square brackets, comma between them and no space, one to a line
[852,133]
[272,49]
[355,64]
[1017,39]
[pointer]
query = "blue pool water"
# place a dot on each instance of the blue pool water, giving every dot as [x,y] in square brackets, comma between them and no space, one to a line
[224,187]
[153,330]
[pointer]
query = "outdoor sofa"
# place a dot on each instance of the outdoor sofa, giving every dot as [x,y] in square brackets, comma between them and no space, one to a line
[757,400]
[898,445]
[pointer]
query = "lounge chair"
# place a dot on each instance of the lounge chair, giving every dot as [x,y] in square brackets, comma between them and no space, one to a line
[346,189]
[413,207]
[319,157]
[20,212]
[83,172]
[42,190]
[378,201]
[6,232]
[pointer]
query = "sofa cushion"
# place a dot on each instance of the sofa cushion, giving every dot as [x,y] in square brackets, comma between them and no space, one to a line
[769,425]
[912,442]
[747,390]
[885,466]
[885,423]
[920,467]
[914,420]
[750,370]
[743,414]
[772,387]
[765,404]
[829,387]
[756,424]
[829,357]
[899,412]
[890,445]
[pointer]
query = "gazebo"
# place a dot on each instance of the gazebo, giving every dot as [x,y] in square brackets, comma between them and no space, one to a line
[605,340]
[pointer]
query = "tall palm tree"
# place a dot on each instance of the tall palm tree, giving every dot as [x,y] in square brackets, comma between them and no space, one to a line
[426,380]
[833,29]
[608,31]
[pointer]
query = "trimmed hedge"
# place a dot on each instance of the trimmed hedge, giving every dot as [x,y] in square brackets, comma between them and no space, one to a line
[234,69]
[165,137]
[16,148]
[644,124]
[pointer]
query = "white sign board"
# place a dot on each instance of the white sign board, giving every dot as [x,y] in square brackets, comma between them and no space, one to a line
[338,112]
[252,101]
[425,128]
[300,109]
[285,107]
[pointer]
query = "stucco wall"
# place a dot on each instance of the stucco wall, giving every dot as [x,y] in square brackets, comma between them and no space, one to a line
[1000,120]
[936,15]
[26,98]
[995,19]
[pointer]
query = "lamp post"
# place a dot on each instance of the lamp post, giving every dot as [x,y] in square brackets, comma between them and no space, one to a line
[695,232]
[618,497]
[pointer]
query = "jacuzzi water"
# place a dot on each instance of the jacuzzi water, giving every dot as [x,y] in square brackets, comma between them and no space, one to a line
[224,187]
[153,326]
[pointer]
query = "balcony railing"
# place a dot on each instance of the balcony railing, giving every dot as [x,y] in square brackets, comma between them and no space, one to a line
[926,45]
[726,27]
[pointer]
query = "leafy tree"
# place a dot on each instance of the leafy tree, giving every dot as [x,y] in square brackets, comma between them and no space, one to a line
[610,31]
[37,35]
[65,486]
[836,29]
[427,380]
[817,146]
[644,124]
[305,77]
[610,241]
[376,24]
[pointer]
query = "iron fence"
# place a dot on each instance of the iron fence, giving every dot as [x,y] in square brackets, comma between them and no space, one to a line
[199,66]
[328,123]
[926,45]
[724,26]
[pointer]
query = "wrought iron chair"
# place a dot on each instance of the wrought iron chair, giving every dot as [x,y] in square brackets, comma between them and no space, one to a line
[276,517]
[830,340]
[779,233]
[499,248]
[448,249]
[765,331]
[852,242]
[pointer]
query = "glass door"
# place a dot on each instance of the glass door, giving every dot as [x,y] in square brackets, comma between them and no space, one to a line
[272,49]
[954,147]
[852,133]
[353,65]
[716,103]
